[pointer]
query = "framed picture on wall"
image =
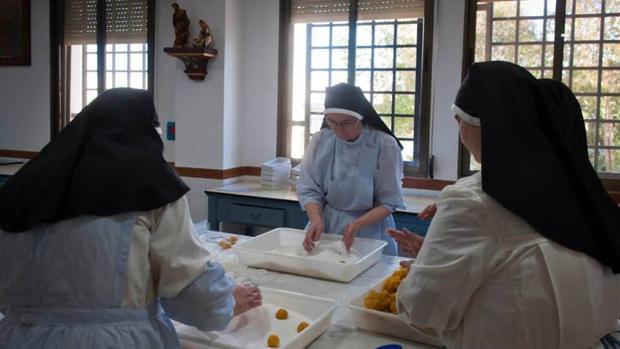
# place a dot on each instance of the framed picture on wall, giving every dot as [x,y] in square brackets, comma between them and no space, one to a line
[14,32]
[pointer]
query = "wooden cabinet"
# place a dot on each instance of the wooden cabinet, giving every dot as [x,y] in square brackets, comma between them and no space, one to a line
[4,179]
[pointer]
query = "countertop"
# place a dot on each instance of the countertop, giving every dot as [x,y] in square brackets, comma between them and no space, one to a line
[342,332]
[415,203]
[9,170]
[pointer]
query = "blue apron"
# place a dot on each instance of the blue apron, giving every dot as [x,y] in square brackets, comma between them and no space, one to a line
[63,285]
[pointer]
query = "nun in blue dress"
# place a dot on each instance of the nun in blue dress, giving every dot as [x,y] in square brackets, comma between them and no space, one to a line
[97,246]
[351,173]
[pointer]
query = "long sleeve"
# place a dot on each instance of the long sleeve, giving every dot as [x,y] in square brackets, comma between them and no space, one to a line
[389,176]
[193,289]
[308,187]
[458,255]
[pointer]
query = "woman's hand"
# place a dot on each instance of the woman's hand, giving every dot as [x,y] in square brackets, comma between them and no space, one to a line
[313,234]
[408,241]
[428,212]
[247,296]
[349,234]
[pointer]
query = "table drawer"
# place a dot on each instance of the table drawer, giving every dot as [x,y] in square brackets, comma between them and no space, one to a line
[249,214]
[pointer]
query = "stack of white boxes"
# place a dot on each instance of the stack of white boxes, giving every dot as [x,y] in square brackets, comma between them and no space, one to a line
[275,173]
[295,172]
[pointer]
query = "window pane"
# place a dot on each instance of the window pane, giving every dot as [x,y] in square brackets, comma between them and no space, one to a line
[91,48]
[91,80]
[405,104]
[109,47]
[316,120]
[611,55]
[407,34]
[611,81]
[384,58]
[109,80]
[531,30]
[388,121]
[320,36]
[319,80]
[612,28]
[120,79]
[503,53]
[610,108]
[591,133]
[587,6]
[585,81]
[568,29]
[136,47]
[384,35]
[109,61]
[588,106]
[587,28]
[135,61]
[481,36]
[382,103]
[405,81]
[403,127]
[567,57]
[536,73]
[532,8]
[612,6]
[362,58]
[135,80]
[550,30]
[362,80]
[340,58]
[320,58]
[339,76]
[530,55]
[91,61]
[407,150]
[120,47]
[364,35]
[120,61]
[586,55]
[340,35]
[382,81]
[90,95]
[504,9]
[608,160]
[406,57]
[550,7]
[297,142]
[548,55]
[504,31]
[317,102]
[609,134]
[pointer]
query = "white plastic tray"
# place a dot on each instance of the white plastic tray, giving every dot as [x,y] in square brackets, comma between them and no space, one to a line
[255,252]
[316,309]
[385,323]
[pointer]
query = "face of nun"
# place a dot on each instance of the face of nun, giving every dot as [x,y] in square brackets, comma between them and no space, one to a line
[471,138]
[344,126]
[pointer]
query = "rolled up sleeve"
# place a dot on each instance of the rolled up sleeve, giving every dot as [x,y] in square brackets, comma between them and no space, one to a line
[308,189]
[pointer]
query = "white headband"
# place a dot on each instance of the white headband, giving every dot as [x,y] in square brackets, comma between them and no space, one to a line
[472,120]
[343,111]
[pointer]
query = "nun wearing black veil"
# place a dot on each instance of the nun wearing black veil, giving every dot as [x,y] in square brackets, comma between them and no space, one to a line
[352,172]
[97,247]
[526,252]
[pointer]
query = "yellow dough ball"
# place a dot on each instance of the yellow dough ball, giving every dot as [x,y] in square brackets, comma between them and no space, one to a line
[224,245]
[273,341]
[281,314]
[302,326]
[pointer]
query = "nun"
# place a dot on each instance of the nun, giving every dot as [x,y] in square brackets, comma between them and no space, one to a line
[97,246]
[351,172]
[526,252]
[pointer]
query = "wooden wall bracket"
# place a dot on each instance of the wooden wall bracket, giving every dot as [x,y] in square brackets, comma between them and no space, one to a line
[194,58]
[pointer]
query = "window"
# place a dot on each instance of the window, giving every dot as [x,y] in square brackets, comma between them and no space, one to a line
[376,46]
[101,44]
[577,41]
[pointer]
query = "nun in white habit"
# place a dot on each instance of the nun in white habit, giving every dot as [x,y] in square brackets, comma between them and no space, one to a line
[526,252]
[351,173]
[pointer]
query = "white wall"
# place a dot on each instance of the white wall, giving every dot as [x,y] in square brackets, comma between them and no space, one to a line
[232,86]
[25,90]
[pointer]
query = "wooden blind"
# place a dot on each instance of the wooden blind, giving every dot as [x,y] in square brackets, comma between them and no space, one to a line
[126,21]
[312,11]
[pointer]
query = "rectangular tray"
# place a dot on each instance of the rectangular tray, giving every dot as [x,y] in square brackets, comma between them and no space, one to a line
[386,323]
[318,310]
[255,253]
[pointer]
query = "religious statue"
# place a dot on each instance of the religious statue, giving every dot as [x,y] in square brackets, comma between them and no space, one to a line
[204,39]
[180,21]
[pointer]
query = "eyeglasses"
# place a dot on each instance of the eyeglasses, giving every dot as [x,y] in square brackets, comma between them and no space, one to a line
[342,124]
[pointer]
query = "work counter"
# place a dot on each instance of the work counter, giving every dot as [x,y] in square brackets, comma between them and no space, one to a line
[342,332]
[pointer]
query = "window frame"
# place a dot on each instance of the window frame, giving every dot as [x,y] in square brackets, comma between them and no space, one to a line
[60,60]
[423,82]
